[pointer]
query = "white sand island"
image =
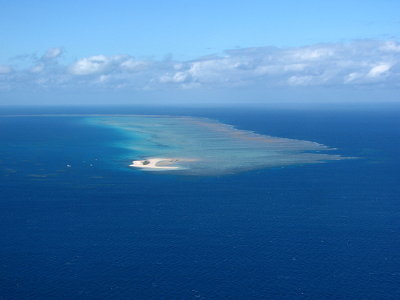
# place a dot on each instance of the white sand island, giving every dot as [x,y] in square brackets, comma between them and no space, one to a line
[158,163]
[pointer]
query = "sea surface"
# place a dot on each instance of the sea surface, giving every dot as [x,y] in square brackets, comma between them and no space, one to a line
[77,223]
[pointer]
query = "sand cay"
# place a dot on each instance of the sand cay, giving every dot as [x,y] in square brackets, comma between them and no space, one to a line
[159,163]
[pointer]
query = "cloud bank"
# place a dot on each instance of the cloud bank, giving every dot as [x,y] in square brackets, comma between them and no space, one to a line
[365,62]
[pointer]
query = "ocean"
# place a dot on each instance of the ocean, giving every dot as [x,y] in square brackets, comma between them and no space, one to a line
[77,223]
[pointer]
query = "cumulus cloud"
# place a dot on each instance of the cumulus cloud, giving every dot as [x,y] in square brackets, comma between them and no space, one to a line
[378,70]
[101,64]
[37,68]
[52,53]
[91,65]
[365,62]
[360,62]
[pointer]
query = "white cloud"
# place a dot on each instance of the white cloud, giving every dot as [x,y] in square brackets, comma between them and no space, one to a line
[352,77]
[101,64]
[300,80]
[365,62]
[378,70]
[91,65]
[131,64]
[312,53]
[52,53]
[391,46]
[359,62]
[37,68]
[177,77]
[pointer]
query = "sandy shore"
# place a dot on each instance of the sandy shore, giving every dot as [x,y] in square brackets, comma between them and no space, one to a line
[157,163]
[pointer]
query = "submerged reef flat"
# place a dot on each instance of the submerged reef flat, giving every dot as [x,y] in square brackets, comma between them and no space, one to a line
[201,146]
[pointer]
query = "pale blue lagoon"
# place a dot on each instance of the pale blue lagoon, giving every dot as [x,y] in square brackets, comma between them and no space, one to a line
[202,146]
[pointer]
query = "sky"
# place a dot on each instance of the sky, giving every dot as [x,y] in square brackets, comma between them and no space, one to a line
[112,52]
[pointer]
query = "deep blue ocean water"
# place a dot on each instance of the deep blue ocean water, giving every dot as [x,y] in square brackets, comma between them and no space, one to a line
[99,230]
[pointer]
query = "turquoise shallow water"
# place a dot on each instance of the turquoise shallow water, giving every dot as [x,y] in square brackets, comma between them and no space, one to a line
[208,147]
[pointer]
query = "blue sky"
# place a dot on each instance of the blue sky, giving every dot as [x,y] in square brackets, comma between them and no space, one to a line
[183,49]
